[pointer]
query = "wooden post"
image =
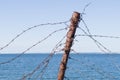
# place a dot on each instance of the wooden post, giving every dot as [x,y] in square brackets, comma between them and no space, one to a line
[70,37]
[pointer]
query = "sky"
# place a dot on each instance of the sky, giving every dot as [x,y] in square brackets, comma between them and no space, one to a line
[101,16]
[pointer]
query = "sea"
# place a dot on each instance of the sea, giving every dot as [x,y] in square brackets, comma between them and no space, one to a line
[45,66]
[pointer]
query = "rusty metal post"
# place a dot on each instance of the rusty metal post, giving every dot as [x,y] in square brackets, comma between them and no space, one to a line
[70,37]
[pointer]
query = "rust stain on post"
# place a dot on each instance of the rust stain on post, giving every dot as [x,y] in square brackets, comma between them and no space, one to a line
[70,37]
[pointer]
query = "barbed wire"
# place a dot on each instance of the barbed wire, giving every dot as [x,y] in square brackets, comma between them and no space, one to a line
[44,62]
[10,60]
[86,6]
[92,66]
[98,70]
[85,25]
[77,71]
[88,33]
[101,36]
[116,65]
[30,28]
[53,51]
[99,45]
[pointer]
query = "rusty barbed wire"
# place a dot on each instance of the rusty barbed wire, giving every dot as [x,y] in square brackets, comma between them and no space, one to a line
[45,61]
[92,66]
[98,70]
[88,30]
[86,6]
[8,61]
[101,36]
[37,68]
[53,52]
[117,66]
[30,28]
[91,36]
[99,45]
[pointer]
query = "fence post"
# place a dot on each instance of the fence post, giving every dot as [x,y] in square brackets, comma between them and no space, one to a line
[70,37]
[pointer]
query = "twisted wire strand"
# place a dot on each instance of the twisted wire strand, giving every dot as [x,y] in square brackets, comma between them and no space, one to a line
[82,75]
[30,28]
[101,36]
[10,60]
[45,61]
[94,67]
[88,33]
[99,45]
[53,51]
[98,70]
[86,6]
[85,25]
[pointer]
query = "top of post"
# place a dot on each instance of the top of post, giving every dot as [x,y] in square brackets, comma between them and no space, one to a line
[75,17]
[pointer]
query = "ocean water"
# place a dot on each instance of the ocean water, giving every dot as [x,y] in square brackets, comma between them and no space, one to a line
[80,67]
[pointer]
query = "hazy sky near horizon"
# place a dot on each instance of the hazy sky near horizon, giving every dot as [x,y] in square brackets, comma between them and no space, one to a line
[102,18]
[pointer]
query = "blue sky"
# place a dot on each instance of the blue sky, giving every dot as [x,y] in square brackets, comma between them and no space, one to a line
[102,18]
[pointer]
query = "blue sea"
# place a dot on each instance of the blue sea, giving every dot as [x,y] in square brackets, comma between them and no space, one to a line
[91,66]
